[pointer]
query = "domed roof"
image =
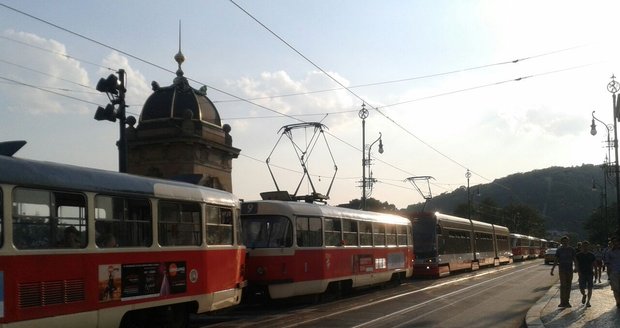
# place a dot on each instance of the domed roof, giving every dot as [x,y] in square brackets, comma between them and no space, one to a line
[179,100]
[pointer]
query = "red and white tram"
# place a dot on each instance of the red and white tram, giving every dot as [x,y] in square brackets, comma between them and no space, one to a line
[297,248]
[544,245]
[445,243]
[535,247]
[83,248]
[520,246]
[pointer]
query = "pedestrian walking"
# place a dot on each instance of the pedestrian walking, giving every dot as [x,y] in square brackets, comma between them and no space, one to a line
[585,266]
[605,261]
[564,259]
[613,268]
[598,264]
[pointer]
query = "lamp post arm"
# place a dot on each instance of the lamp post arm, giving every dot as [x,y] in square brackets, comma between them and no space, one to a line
[609,127]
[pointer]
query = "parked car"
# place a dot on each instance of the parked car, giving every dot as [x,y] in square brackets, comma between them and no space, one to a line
[550,255]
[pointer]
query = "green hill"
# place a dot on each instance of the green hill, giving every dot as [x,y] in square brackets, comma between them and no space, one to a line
[563,196]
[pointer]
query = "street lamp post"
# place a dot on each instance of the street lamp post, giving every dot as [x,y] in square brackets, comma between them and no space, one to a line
[370,180]
[593,131]
[363,114]
[603,196]
[468,175]
[614,87]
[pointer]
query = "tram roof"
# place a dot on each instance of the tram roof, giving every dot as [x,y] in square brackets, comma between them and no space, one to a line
[313,209]
[26,172]
[458,221]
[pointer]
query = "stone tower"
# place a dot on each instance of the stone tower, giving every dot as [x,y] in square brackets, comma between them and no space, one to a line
[180,136]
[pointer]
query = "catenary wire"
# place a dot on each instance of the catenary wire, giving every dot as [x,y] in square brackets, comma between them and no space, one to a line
[246,100]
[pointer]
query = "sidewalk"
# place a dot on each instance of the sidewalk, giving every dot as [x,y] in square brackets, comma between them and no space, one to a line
[602,314]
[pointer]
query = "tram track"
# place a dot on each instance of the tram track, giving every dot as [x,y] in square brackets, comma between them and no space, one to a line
[399,315]
[365,303]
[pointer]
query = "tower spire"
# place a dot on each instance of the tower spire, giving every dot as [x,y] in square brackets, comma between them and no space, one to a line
[179,57]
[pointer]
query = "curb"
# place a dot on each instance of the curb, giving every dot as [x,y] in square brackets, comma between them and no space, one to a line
[532,319]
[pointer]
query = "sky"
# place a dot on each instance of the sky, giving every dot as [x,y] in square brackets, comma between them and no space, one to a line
[494,87]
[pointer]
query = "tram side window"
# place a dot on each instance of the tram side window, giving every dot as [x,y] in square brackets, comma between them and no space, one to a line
[503,243]
[379,234]
[365,233]
[401,231]
[484,242]
[179,224]
[45,219]
[128,220]
[390,232]
[409,235]
[458,242]
[219,226]
[333,232]
[349,228]
[309,232]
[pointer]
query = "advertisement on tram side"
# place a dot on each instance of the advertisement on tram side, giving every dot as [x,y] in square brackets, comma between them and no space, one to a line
[123,282]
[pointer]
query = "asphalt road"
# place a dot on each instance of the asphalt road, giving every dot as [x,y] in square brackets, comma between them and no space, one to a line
[491,297]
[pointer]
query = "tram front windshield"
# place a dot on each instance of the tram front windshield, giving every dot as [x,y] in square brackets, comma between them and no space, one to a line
[267,231]
[424,237]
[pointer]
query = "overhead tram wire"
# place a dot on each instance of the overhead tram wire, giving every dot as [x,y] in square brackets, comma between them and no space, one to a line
[140,59]
[487,85]
[408,79]
[376,108]
[46,74]
[148,63]
[49,91]
[56,53]
[211,87]
[349,90]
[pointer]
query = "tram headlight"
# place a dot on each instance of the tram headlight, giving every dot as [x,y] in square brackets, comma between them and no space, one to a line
[260,271]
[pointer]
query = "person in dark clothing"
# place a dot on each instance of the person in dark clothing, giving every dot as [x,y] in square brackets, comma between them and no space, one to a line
[564,259]
[585,265]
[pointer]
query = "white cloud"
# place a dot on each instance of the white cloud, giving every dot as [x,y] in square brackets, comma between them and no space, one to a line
[42,69]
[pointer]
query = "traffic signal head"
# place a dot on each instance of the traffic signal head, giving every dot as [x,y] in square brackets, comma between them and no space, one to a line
[109,85]
[108,113]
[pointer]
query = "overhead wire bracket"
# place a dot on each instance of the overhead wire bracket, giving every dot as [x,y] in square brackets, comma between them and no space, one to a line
[303,154]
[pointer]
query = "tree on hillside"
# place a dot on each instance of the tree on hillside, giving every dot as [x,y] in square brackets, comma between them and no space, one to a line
[524,220]
[372,205]
[562,196]
[599,226]
[518,218]
[488,211]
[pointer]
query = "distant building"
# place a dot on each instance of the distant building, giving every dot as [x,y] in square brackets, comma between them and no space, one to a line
[180,136]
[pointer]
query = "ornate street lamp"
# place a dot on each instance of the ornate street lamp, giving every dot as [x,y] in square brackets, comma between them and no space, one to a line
[363,114]
[468,175]
[613,87]
[606,165]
